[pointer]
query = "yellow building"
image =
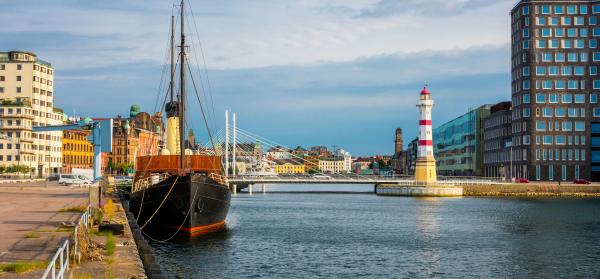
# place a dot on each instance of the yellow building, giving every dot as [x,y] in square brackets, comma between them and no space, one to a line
[289,166]
[27,100]
[78,152]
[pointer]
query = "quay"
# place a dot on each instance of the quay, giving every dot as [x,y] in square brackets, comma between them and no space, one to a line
[32,215]
[39,219]
[541,189]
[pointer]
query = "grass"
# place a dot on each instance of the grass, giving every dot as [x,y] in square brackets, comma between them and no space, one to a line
[110,244]
[99,233]
[65,229]
[31,235]
[78,209]
[83,276]
[20,267]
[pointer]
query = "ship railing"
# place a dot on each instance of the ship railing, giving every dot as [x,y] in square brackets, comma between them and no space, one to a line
[144,183]
[221,179]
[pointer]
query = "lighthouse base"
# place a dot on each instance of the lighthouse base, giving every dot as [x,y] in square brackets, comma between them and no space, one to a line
[419,191]
[425,172]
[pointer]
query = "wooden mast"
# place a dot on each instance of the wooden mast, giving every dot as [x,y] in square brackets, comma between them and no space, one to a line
[172,82]
[182,96]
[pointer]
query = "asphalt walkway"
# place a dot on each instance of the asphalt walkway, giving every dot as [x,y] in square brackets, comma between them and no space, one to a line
[31,222]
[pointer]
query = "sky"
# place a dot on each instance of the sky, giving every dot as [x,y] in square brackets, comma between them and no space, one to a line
[342,73]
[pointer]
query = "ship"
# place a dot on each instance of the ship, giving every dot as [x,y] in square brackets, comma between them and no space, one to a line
[178,190]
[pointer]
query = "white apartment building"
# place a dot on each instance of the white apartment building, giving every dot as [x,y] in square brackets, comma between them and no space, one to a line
[27,100]
[332,165]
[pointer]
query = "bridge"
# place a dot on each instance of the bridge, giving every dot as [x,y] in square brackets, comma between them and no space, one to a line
[247,164]
[239,182]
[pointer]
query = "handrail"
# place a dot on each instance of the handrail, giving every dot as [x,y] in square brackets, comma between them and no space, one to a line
[85,219]
[59,270]
[62,255]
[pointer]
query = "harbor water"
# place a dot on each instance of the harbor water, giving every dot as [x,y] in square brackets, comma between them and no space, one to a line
[355,234]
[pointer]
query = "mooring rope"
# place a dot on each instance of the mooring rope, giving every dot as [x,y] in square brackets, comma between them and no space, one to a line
[161,203]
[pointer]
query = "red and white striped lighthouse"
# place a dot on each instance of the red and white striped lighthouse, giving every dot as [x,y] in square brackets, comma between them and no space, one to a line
[425,170]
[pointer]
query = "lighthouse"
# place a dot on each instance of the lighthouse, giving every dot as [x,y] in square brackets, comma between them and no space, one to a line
[425,172]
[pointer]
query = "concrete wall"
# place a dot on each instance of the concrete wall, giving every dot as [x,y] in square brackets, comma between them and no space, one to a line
[531,189]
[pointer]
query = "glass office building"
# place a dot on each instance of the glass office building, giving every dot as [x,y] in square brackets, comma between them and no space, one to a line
[458,144]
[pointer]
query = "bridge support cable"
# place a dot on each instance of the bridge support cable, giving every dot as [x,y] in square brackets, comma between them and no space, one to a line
[295,158]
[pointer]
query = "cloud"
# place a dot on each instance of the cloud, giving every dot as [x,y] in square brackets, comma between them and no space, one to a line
[343,103]
[249,34]
[385,8]
[298,72]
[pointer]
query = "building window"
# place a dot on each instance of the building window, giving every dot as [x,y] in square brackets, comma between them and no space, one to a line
[540,98]
[567,126]
[572,57]
[18,89]
[537,172]
[561,140]
[579,126]
[548,139]
[572,84]
[545,9]
[19,67]
[526,98]
[540,70]
[540,125]
[579,98]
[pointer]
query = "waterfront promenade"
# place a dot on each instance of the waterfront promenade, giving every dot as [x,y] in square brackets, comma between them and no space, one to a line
[32,222]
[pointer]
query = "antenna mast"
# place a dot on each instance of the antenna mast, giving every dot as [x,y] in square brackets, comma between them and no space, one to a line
[182,96]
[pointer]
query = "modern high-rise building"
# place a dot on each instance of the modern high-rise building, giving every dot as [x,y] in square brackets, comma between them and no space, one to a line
[497,142]
[555,86]
[27,100]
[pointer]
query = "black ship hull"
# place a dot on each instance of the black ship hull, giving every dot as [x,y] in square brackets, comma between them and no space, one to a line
[192,205]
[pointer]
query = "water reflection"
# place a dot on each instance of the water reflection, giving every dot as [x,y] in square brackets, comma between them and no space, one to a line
[304,235]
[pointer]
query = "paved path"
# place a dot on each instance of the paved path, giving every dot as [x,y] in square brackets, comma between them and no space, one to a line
[34,208]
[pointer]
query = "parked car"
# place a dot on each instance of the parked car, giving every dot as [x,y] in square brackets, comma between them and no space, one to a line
[54,177]
[581,181]
[522,180]
[321,176]
[73,179]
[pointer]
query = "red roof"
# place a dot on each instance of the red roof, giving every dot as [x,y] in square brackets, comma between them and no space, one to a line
[425,91]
